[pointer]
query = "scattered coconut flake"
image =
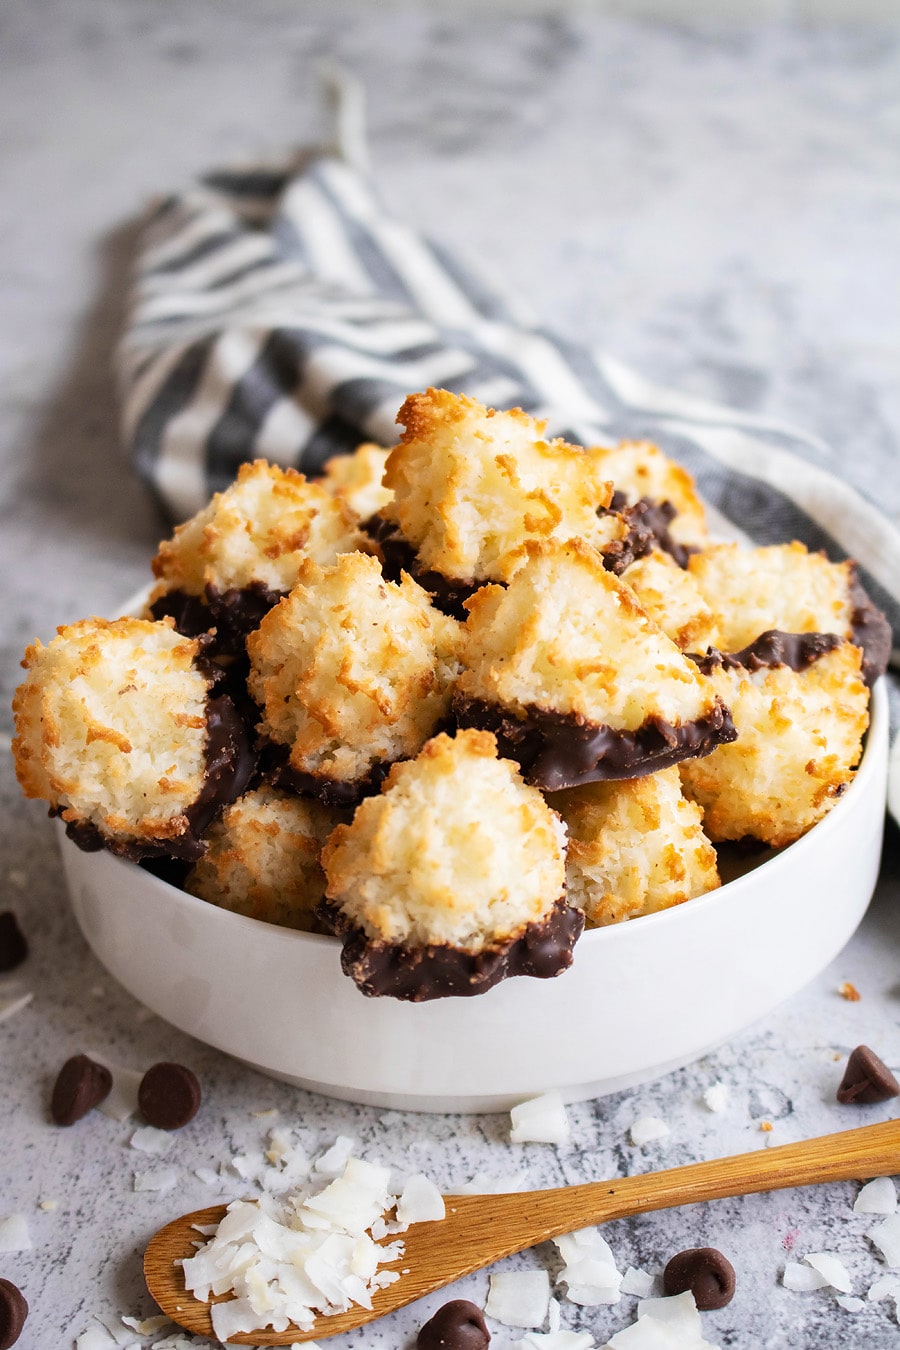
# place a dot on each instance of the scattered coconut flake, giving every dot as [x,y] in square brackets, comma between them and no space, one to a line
[849,992]
[149,1139]
[122,1100]
[802,1279]
[678,1312]
[542,1120]
[123,1336]
[878,1197]
[647,1129]
[886,1286]
[95,1338]
[519,1298]
[334,1160]
[589,1271]
[420,1201]
[887,1239]
[48,1205]
[554,1315]
[832,1270]
[182,1342]
[286,1259]
[14,1235]
[849,1303]
[208,1175]
[156,1181]
[663,1324]
[717,1097]
[484,1184]
[10,1006]
[637,1281]
[149,1325]
[555,1340]
[268,1113]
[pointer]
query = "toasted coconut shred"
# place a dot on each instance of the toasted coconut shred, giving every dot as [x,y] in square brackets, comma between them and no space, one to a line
[313,1251]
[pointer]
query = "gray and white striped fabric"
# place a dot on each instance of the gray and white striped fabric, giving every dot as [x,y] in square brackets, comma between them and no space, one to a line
[284,314]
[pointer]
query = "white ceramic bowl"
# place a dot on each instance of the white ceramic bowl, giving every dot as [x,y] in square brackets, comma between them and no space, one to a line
[641,998]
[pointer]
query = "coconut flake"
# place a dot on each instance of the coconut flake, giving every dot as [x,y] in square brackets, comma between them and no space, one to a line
[832,1270]
[156,1181]
[10,1006]
[886,1286]
[420,1201]
[484,1184]
[519,1298]
[208,1175]
[555,1340]
[148,1139]
[887,1239]
[647,1129]
[589,1272]
[878,1197]
[542,1120]
[334,1160]
[122,1099]
[678,1312]
[554,1315]
[639,1282]
[14,1235]
[802,1279]
[717,1097]
[848,1303]
[95,1338]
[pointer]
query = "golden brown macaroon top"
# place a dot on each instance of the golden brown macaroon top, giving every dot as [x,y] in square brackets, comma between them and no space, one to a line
[471,483]
[635,847]
[566,635]
[674,601]
[358,479]
[259,531]
[456,850]
[111,726]
[351,670]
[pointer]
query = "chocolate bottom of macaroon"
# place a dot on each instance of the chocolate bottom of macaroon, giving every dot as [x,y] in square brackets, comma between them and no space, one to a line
[797,651]
[276,768]
[870,630]
[399,556]
[233,613]
[419,974]
[558,750]
[230,765]
[649,522]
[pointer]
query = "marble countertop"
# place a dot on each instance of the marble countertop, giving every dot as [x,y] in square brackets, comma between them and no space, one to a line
[720,209]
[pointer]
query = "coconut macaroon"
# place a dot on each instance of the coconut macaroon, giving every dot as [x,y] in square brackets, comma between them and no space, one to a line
[787,588]
[634,848]
[641,473]
[228,565]
[452,879]
[262,858]
[117,727]
[799,737]
[351,672]
[358,479]
[470,484]
[674,601]
[576,681]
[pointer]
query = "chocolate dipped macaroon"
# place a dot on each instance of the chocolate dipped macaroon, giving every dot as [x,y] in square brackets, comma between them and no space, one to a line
[121,729]
[350,673]
[575,680]
[229,564]
[659,494]
[450,880]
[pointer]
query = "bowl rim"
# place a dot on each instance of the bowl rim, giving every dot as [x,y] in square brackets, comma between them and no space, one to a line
[876,733]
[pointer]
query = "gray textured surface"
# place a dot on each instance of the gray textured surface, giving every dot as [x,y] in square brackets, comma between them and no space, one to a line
[719,209]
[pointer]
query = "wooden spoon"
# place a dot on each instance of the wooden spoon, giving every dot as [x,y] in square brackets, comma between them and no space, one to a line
[481,1229]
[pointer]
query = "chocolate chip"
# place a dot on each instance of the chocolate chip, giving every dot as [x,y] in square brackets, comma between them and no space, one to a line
[81,1085]
[707,1273]
[866,1079]
[13,1311]
[13,947]
[458,1325]
[169,1096]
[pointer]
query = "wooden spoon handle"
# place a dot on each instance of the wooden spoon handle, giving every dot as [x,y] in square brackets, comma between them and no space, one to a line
[524,1219]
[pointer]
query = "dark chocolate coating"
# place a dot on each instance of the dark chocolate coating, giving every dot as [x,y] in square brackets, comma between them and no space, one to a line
[447,595]
[81,1085]
[706,1272]
[169,1096]
[230,764]
[277,770]
[652,518]
[560,750]
[233,613]
[870,630]
[458,1325]
[770,649]
[419,974]
[190,612]
[13,1312]
[13,946]
[867,1079]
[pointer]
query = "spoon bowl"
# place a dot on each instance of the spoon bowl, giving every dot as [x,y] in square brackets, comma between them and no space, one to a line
[481,1229]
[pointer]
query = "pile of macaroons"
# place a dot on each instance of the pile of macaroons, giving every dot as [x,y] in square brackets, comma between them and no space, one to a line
[453,701]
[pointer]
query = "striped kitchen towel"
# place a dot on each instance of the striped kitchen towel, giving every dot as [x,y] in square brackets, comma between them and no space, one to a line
[285,314]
